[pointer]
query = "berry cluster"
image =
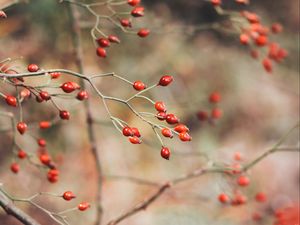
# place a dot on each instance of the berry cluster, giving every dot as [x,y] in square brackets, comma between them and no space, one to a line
[116,17]
[255,35]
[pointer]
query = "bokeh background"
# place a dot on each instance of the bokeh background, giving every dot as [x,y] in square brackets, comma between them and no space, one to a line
[258,108]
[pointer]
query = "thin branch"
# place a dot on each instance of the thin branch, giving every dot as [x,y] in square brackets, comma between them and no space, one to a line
[75,20]
[12,210]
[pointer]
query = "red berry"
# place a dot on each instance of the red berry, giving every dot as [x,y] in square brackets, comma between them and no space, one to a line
[45,159]
[161,115]
[68,195]
[15,167]
[244,39]
[135,132]
[125,23]
[138,12]
[185,136]
[25,93]
[276,28]
[22,154]
[181,128]
[22,127]
[11,100]
[165,153]
[261,40]
[38,99]
[202,115]
[65,115]
[101,52]
[215,2]
[114,39]
[171,119]
[239,199]
[135,140]
[45,95]
[44,124]
[33,68]
[237,156]
[260,197]
[223,198]
[167,132]
[143,32]
[41,142]
[139,85]
[68,87]
[55,75]
[267,65]
[243,181]
[133,2]
[165,80]
[127,131]
[83,206]
[215,97]
[82,95]
[3,14]
[103,42]
[160,106]
[216,113]
[52,175]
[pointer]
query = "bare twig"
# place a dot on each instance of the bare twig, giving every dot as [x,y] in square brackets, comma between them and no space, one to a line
[14,211]
[75,20]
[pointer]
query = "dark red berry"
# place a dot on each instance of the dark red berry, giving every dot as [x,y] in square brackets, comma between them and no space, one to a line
[11,100]
[139,85]
[171,119]
[68,195]
[82,95]
[101,52]
[65,115]
[165,80]
[167,132]
[68,87]
[165,153]
[103,42]
[143,32]
[22,127]
[33,68]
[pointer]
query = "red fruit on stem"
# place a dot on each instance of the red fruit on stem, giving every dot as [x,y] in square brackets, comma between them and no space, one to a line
[161,115]
[143,32]
[83,206]
[44,124]
[181,128]
[68,87]
[261,40]
[82,95]
[215,97]
[267,65]
[165,80]
[42,142]
[135,132]
[125,23]
[160,106]
[167,132]
[216,113]
[22,127]
[138,12]
[68,195]
[127,131]
[114,39]
[165,153]
[55,75]
[45,158]
[33,68]
[185,136]
[22,154]
[139,85]
[260,197]
[243,181]
[15,167]
[65,115]
[45,95]
[244,39]
[215,2]
[103,42]
[11,100]
[135,140]
[223,198]
[133,2]
[101,52]
[171,119]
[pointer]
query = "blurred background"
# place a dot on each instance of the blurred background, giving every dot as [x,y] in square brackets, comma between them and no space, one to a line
[258,108]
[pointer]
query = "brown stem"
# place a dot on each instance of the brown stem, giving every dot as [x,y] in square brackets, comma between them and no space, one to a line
[11,209]
[75,20]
